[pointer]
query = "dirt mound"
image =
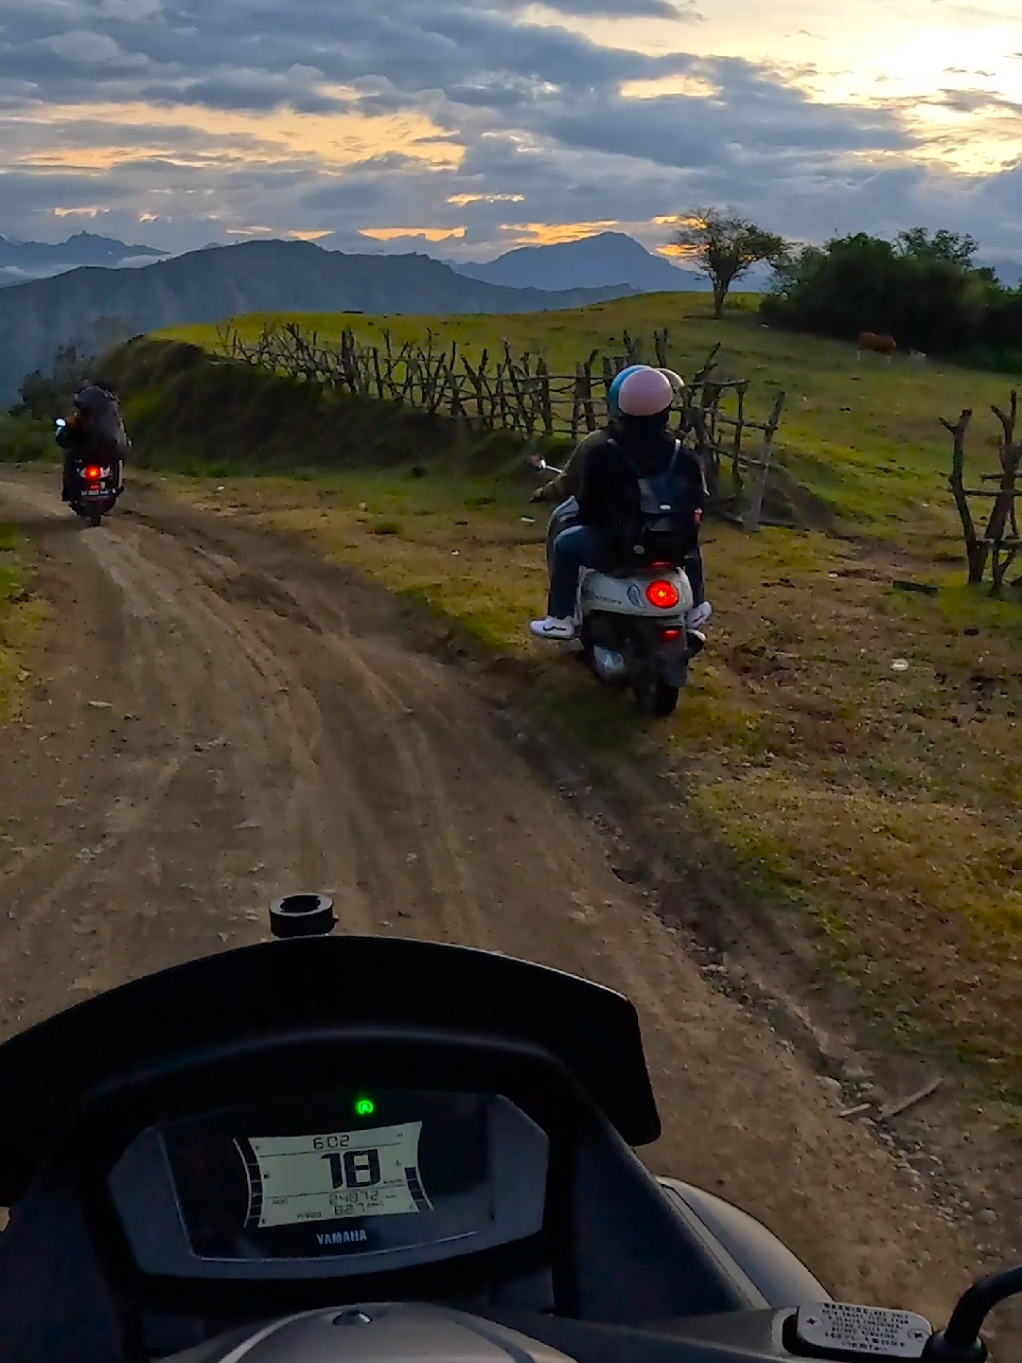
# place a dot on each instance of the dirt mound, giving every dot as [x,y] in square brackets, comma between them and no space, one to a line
[789,504]
[182,406]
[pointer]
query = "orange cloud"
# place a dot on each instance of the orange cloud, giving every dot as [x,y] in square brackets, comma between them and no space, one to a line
[461,200]
[677,252]
[553,234]
[695,86]
[334,141]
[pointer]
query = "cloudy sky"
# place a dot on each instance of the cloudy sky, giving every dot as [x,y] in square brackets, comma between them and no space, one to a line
[469,126]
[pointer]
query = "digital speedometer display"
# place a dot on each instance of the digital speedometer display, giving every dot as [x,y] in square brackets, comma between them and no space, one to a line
[291,1181]
[339,1174]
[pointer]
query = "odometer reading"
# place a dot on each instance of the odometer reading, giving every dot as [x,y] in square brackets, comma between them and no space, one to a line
[294,1179]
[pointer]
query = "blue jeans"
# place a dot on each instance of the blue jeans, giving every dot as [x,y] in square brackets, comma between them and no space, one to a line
[580,546]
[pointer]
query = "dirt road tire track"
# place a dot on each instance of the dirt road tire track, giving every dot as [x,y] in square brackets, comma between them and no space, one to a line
[274,727]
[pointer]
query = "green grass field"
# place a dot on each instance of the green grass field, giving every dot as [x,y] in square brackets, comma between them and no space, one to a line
[864,438]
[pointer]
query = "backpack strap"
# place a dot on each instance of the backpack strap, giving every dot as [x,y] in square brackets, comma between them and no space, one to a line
[633,468]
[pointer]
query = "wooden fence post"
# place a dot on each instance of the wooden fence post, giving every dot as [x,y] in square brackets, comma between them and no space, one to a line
[975,548]
[546,410]
[1003,550]
[751,520]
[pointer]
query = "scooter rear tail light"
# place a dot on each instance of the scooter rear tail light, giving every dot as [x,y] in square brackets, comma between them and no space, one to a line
[662,594]
[667,635]
[93,474]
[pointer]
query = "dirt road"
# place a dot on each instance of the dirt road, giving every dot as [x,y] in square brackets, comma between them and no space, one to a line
[222,718]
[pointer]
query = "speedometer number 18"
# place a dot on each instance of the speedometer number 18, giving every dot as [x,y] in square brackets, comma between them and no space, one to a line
[354,1168]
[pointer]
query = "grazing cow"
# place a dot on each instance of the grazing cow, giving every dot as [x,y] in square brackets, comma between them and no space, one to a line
[879,345]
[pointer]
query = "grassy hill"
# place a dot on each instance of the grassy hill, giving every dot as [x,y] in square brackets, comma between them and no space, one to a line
[864,438]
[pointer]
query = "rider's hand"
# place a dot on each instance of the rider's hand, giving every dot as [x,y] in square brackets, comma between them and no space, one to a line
[539,495]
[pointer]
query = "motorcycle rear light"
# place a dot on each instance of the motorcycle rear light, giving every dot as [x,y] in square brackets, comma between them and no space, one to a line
[667,635]
[662,594]
[93,474]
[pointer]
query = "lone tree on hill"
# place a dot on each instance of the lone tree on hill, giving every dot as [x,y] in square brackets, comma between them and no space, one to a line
[725,246]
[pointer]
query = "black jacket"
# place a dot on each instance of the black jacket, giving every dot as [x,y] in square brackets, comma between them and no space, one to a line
[89,442]
[608,490]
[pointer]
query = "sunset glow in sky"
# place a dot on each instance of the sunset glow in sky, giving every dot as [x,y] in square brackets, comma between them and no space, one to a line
[470,126]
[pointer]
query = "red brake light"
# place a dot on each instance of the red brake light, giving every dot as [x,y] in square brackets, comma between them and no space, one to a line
[667,635]
[93,474]
[662,594]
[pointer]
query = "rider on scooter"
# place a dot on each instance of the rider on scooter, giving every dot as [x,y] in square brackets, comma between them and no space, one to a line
[95,432]
[608,489]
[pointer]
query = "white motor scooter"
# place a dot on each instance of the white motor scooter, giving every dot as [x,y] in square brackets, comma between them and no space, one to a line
[631,622]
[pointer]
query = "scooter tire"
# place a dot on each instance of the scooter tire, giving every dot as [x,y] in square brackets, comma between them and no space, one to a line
[656,699]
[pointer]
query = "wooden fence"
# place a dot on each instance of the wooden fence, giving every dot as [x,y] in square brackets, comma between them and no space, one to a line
[517,392]
[999,543]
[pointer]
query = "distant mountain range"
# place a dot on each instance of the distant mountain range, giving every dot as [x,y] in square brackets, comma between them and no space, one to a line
[255,276]
[592,262]
[22,260]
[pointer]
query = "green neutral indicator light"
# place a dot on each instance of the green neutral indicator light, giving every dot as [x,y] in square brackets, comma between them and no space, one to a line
[365,1107]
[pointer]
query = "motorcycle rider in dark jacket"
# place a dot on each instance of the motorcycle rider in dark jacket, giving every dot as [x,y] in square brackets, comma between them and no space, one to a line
[95,434]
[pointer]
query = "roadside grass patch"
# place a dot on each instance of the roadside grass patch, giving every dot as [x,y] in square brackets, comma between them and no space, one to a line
[20,616]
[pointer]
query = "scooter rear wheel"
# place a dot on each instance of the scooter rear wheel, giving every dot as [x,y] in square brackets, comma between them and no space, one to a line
[655,698]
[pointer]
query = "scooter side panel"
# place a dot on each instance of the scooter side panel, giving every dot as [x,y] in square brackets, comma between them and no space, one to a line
[770,1265]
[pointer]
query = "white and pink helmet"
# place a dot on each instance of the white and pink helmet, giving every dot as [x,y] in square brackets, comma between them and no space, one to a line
[645,392]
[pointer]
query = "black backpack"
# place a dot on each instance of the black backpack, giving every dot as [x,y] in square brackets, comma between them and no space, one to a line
[662,524]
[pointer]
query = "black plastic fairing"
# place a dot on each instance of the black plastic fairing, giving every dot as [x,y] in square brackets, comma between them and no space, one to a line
[287,987]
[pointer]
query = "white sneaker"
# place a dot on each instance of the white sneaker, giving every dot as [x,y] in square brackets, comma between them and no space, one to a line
[698,615]
[552,628]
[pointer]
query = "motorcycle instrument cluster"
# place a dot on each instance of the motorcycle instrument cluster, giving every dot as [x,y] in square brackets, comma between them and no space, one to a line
[398,1176]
